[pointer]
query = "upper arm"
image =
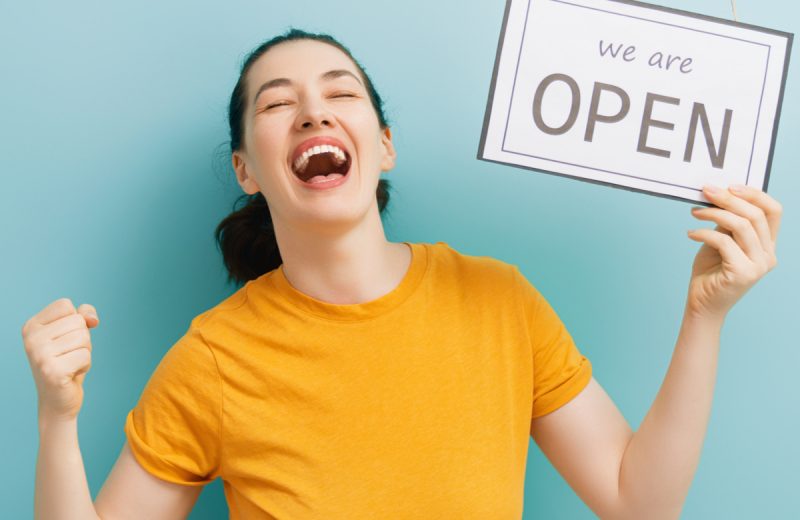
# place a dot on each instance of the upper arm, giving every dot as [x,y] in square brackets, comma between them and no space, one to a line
[585,440]
[131,492]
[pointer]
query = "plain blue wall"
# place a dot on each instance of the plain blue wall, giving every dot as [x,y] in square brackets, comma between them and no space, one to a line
[112,119]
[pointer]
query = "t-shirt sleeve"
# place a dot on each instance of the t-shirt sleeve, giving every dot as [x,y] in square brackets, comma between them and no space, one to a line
[560,371]
[174,429]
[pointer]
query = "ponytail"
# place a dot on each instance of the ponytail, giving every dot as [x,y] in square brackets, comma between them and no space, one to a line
[246,237]
[246,240]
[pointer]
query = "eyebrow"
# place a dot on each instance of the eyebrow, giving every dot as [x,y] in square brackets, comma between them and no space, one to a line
[285,82]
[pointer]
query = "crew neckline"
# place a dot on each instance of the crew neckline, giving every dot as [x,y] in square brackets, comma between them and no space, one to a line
[355,311]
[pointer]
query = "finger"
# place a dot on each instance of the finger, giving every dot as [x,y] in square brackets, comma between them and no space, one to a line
[742,229]
[76,362]
[92,322]
[771,207]
[90,314]
[725,245]
[723,230]
[61,326]
[727,200]
[760,222]
[55,310]
[70,341]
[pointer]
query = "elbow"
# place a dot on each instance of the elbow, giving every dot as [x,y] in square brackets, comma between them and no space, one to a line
[644,503]
[649,511]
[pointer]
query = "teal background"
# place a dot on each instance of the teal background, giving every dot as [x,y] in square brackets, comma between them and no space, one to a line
[113,136]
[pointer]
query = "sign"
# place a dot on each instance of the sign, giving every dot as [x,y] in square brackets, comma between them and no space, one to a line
[635,96]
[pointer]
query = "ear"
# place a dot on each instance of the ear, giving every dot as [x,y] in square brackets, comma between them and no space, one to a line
[389,154]
[246,181]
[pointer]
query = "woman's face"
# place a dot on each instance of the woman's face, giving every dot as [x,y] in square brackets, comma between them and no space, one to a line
[298,92]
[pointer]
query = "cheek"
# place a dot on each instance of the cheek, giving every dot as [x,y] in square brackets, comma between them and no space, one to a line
[266,141]
[362,124]
[368,118]
[265,133]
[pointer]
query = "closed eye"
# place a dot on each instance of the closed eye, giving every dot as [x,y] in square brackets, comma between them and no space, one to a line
[281,103]
[273,105]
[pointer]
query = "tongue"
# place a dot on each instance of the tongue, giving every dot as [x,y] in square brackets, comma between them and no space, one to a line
[322,178]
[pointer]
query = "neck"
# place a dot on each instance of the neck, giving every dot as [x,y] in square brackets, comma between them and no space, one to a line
[354,265]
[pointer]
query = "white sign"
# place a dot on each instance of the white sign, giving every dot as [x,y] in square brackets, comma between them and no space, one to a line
[635,96]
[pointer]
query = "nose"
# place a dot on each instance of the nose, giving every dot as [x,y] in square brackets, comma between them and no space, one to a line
[313,115]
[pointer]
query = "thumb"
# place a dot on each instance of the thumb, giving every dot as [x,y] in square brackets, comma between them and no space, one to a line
[89,313]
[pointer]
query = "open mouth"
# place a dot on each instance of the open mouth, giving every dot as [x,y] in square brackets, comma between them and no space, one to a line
[321,163]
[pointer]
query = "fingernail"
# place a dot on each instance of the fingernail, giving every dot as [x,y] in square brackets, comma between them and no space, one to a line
[738,188]
[713,190]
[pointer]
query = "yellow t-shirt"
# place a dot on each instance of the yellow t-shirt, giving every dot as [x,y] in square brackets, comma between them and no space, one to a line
[415,405]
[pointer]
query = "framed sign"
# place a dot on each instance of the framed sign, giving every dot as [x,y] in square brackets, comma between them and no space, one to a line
[635,96]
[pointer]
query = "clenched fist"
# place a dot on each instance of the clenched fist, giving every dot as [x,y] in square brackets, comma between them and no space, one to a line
[59,346]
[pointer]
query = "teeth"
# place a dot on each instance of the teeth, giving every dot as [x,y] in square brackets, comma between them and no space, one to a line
[301,162]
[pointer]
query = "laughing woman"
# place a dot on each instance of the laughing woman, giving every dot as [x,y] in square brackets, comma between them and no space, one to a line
[354,377]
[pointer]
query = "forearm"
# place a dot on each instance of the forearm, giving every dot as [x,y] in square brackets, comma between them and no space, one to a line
[661,459]
[61,488]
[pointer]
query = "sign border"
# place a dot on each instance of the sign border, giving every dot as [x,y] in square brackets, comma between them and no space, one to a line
[490,98]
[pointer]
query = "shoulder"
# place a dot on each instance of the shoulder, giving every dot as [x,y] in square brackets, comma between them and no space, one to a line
[471,268]
[226,310]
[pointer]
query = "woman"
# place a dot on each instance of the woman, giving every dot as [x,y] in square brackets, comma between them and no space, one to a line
[353,377]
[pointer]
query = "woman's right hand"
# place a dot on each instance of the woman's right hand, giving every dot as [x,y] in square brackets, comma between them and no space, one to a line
[58,344]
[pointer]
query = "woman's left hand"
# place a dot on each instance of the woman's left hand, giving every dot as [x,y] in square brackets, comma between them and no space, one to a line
[736,254]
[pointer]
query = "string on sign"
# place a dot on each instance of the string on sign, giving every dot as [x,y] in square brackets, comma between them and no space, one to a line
[733,7]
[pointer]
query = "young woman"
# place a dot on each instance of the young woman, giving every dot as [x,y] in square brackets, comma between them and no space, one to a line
[354,377]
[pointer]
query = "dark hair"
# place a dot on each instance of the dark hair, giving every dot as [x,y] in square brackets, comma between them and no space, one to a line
[246,237]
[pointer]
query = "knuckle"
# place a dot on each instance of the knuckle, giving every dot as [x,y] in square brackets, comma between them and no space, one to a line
[26,328]
[729,244]
[773,261]
[756,213]
[32,343]
[30,349]
[740,223]
[78,320]
[74,322]
[65,304]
